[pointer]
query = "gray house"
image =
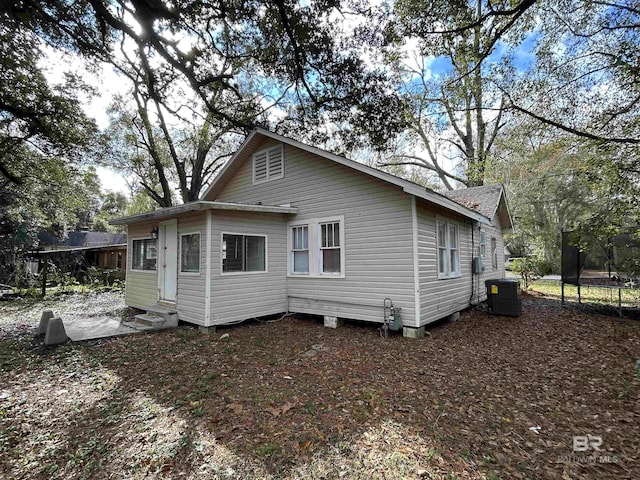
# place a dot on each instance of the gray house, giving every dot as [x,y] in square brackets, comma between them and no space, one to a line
[287,227]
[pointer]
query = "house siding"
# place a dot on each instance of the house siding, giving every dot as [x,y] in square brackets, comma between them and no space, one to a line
[493,230]
[141,289]
[440,297]
[190,299]
[238,296]
[377,228]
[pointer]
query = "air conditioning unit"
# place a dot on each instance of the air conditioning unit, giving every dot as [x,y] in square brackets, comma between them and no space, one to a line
[503,297]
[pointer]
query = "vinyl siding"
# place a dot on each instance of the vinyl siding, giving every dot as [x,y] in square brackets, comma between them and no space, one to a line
[141,288]
[377,227]
[240,296]
[440,297]
[493,230]
[190,300]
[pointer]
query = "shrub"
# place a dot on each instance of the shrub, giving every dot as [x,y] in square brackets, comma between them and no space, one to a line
[530,269]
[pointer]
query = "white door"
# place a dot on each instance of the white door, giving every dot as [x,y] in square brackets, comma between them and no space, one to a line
[168,260]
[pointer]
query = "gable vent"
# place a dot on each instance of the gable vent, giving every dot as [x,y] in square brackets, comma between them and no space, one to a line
[260,166]
[268,164]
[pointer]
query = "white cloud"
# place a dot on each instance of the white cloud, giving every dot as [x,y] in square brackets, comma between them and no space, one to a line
[113,181]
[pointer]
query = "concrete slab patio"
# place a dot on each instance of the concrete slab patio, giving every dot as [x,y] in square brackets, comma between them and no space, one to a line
[91,328]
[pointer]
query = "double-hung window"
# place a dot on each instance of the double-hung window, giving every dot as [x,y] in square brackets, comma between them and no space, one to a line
[494,253]
[448,251]
[330,247]
[316,248]
[244,253]
[190,253]
[300,249]
[144,254]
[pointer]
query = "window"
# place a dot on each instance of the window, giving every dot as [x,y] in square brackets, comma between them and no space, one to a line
[453,249]
[330,247]
[268,164]
[483,246]
[144,254]
[243,253]
[448,252]
[300,249]
[494,253]
[317,248]
[190,253]
[443,261]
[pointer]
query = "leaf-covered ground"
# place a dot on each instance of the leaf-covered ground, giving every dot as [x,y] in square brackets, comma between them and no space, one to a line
[485,397]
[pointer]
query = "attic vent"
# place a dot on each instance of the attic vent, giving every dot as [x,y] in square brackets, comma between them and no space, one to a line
[268,164]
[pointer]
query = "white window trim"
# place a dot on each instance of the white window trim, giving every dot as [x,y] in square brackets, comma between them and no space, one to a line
[246,234]
[482,252]
[137,270]
[315,259]
[494,255]
[448,275]
[253,165]
[291,251]
[190,274]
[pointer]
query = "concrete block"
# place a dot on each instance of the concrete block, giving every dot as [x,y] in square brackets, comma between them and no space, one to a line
[211,329]
[333,322]
[171,320]
[412,332]
[454,317]
[44,321]
[55,332]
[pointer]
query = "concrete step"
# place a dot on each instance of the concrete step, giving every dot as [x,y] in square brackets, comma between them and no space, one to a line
[161,309]
[138,326]
[151,319]
[156,317]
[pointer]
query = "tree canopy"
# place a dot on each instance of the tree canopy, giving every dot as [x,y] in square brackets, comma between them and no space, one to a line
[433,84]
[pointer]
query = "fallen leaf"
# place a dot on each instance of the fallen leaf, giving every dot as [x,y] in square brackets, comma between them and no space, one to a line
[305,445]
[288,406]
[273,411]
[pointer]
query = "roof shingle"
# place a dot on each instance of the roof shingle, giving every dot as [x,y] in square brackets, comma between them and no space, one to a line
[484,199]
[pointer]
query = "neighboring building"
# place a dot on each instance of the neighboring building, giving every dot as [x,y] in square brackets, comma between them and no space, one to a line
[287,227]
[81,250]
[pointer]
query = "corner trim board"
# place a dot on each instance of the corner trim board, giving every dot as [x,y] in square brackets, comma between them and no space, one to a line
[416,260]
[207,282]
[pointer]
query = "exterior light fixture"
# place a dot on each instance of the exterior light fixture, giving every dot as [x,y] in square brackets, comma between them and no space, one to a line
[154,232]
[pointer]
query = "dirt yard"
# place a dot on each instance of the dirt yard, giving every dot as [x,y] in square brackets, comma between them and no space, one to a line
[485,397]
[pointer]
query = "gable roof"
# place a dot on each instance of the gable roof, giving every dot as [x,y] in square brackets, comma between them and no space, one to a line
[486,200]
[411,188]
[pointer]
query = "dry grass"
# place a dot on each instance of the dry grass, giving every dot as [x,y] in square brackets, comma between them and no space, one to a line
[589,294]
[295,400]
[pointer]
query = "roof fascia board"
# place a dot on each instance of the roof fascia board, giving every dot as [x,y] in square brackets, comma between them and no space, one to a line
[46,249]
[506,204]
[197,206]
[446,203]
[503,198]
[406,186]
[222,173]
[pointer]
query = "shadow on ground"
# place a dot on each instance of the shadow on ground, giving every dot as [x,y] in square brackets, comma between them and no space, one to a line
[485,397]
